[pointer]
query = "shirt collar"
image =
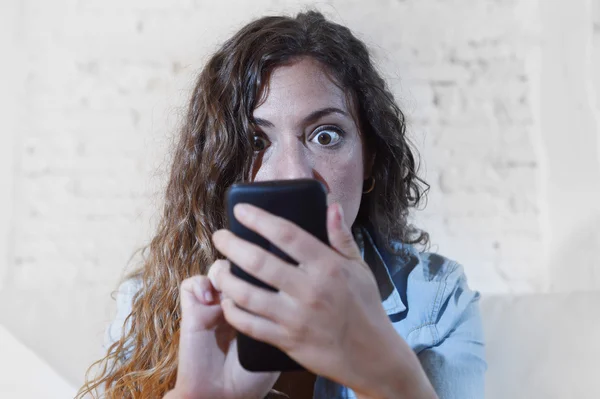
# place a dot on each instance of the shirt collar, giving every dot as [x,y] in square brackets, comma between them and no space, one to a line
[374,257]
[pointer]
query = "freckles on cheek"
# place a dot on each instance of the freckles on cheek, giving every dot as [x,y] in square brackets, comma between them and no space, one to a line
[345,180]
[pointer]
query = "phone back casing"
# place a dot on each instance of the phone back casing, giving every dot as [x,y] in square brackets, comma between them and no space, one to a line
[303,202]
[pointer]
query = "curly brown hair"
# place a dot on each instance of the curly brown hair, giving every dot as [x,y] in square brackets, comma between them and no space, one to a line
[214,150]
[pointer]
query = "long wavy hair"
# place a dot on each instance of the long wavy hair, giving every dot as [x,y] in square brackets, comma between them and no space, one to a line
[214,150]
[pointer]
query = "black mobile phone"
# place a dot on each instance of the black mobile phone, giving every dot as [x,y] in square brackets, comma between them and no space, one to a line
[303,202]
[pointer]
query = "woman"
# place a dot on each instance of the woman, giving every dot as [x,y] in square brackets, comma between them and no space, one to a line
[289,98]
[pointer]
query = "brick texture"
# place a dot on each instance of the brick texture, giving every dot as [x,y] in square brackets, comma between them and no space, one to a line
[105,86]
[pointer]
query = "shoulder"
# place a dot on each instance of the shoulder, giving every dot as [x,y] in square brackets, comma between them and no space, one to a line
[444,285]
[453,301]
[437,296]
[445,279]
[124,301]
[451,350]
[126,291]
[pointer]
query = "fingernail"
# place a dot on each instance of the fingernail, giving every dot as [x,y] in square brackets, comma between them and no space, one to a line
[208,296]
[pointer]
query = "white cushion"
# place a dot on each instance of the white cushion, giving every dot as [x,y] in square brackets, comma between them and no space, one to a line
[23,375]
[543,346]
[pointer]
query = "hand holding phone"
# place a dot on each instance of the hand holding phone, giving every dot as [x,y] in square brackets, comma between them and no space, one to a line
[301,201]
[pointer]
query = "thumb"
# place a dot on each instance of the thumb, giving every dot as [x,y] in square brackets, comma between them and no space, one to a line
[340,235]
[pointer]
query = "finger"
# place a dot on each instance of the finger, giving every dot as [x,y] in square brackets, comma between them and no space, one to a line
[340,235]
[254,326]
[275,306]
[198,337]
[197,289]
[300,245]
[214,273]
[200,307]
[260,263]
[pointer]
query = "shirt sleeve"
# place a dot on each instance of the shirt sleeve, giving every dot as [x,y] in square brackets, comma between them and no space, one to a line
[125,294]
[456,363]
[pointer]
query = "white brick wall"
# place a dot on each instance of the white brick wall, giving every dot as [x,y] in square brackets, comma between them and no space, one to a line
[502,100]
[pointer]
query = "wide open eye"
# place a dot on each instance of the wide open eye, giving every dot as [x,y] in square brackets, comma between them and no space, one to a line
[259,143]
[327,136]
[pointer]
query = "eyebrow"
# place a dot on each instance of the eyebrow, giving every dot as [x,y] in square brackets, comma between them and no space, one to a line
[311,118]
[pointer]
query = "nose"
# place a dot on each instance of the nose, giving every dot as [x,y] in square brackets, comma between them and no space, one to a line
[294,162]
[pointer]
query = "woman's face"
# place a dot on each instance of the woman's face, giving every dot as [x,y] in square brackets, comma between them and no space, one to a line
[307,131]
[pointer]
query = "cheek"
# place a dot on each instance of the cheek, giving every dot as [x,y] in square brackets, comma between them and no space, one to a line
[345,180]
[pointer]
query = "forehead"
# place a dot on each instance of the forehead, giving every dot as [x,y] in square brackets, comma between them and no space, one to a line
[300,87]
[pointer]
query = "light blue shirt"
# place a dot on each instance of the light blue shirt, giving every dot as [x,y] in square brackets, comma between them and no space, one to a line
[430,305]
[428,301]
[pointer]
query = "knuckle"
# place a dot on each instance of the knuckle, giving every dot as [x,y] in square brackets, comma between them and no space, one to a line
[189,283]
[298,327]
[256,262]
[320,297]
[334,271]
[244,298]
[186,284]
[297,333]
[286,233]
[348,241]
[315,296]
